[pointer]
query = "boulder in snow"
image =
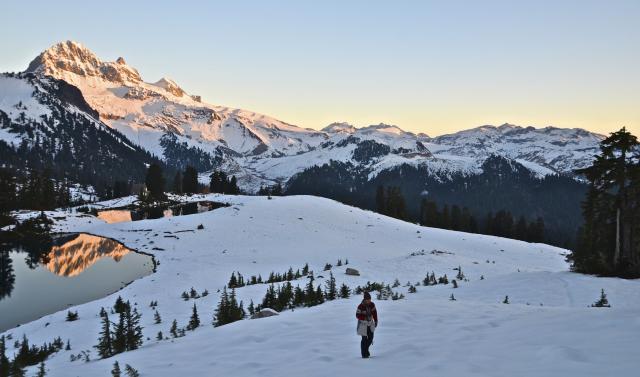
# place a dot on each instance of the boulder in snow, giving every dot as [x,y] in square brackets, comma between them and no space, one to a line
[352,271]
[266,312]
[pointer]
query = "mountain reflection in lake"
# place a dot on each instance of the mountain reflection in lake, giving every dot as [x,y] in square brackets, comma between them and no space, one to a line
[155,212]
[74,270]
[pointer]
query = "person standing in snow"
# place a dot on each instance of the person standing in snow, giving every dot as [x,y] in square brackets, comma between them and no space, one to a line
[367,323]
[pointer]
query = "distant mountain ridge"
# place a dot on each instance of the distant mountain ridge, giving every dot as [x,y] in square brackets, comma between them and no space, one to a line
[181,129]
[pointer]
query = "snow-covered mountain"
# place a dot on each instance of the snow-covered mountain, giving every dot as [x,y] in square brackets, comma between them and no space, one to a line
[46,123]
[182,129]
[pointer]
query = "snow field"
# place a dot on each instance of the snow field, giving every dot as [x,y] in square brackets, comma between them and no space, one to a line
[476,335]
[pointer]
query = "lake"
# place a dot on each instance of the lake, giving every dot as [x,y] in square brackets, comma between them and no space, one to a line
[42,279]
[118,215]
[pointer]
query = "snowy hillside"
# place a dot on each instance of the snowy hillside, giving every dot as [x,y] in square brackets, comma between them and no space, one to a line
[548,329]
[182,129]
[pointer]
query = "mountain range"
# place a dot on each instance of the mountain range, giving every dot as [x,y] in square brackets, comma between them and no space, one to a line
[181,129]
[96,122]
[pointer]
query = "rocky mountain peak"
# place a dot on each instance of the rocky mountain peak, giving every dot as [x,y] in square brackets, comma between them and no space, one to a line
[69,58]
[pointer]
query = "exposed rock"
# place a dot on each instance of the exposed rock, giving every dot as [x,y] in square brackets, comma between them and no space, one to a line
[266,312]
[352,272]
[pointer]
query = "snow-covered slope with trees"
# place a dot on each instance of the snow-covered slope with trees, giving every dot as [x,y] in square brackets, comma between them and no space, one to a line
[547,329]
[182,129]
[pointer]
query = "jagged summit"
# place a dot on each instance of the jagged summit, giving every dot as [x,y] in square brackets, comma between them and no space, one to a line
[170,86]
[71,57]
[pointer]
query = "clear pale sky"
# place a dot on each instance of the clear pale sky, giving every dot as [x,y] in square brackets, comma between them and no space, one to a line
[426,66]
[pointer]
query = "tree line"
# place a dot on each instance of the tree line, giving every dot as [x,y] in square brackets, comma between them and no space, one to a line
[185,182]
[390,201]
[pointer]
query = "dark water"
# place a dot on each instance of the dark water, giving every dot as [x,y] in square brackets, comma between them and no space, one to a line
[156,212]
[42,279]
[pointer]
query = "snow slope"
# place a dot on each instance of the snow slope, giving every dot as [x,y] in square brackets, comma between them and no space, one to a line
[547,330]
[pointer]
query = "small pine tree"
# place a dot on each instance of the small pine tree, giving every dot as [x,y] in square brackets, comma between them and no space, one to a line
[115,371]
[481,277]
[193,293]
[319,296]
[185,296]
[156,318]
[72,316]
[174,329]
[603,302]
[455,283]
[412,289]
[159,336]
[396,283]
[120,305]
[460,275]
[452,297]
[331,288]
[68,347]
[345,292]
[251,308]
[131,372]
[506,300]
[41,370]
[194,321]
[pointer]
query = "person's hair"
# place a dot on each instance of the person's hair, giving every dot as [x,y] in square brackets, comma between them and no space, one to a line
[367,296]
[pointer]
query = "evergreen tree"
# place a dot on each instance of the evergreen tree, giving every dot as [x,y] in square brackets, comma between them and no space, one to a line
[611,210]
[190,180]
[115,371]
[445,218]
[380,200]
[4,361]
[156,317]
[174,329]
[456,218]
[104,346]
[41,370]
[133,329]
[506,300]
[602,302]
[131,372]
[345,292]
[194,321]
[177,183]
[72,316]
[331,288]
[155,182]
[16,370]
[119,340]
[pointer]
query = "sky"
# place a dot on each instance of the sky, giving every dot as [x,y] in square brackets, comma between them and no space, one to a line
[426,66]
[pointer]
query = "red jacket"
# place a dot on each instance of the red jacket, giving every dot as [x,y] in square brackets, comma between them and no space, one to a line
[361,312]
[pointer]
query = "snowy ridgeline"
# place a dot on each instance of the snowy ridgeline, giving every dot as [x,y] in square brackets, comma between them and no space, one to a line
[548,328]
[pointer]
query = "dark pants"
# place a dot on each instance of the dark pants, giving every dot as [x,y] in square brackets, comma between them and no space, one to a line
[366,342]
